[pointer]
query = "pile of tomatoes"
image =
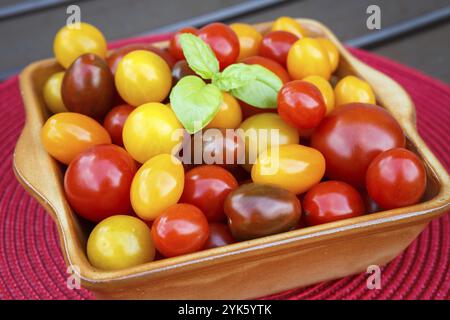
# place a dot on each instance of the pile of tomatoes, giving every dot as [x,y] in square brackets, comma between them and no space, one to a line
[112,129]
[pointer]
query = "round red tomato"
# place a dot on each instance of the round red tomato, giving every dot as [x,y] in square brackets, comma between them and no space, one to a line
[114,121]
[223,42]
[219,236]
[331,201]
[276,44]
[396,178]
[206,187]
[174,45]
[351,136]
[181,229]
[301,104]
[97,182]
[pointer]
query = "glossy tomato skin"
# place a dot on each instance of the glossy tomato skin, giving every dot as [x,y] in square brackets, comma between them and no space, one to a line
[301,104]
[307,57]
[276,44]
[207,187]
[351,89]
[396,178]
[97,182]
[272,65]
[174,45]
[88,86]
[115,120]
[180,70]
[223,42]
[219,236]
[325,89]
[229,115]
[331,201]
[181,229]
[249,39]
[352,136]
[257,210]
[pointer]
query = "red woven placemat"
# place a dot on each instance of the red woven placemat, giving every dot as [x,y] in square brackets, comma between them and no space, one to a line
[32,266]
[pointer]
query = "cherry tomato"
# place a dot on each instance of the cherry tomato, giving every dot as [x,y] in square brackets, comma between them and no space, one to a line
[206,187]
[72,41]
[276,45]
[181,229]
[52,93]
[301,104]
[331,201]
[294,167]
[307,57]
[352,89]
[219,236]
[157,185]
[325,89]
[333,52]
[88,86]
[180,70]
[66,134]
[396,178]
[97,182]
[223,41]
[115,120]
[272,65]
[149,130]
[249,39]
[257,210]
[120,242]
[229,115]
[290,25]
[352,136]
[174,45]
[143,77]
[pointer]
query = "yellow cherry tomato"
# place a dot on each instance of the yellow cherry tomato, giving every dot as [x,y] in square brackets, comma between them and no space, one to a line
[157,185]
[52,93]
[120,242]
[352,89]
[229,115]
[66,134]
[290,25]
[333,52]
[249,39]
[325,88]
[151,129]
[307,57]
[293,167]
[143,76]
[72,41]
[257,131]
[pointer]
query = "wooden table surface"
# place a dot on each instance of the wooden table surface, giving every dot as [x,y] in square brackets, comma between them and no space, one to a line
[28,36]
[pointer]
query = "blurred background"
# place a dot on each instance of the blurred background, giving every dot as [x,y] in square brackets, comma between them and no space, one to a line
[413,32]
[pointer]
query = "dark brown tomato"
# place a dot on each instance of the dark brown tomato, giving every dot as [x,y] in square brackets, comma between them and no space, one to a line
[180,70]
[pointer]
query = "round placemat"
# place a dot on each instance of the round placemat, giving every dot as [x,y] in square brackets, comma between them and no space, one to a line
[32,266]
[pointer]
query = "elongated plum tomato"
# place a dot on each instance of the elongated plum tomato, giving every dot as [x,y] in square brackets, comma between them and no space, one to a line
[181,229]
[52,93]
[157,185]
[249,39]
[150,130]
[70,43]
[97,182]
[396,178]
[351,136]
[115,120]
[331,201]
[293,167]
[351,89]
[276,45]
[219,236]
[66,134]
[307,57]
[257,210]
[143,76]
[206,187]
[325,89]
[88,86]
[290,25]
[120,242]
[175,46]
[229,115]
[301,104]
[223,42]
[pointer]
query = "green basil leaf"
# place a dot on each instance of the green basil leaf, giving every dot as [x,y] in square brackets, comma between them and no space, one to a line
[262,91]
[199,56]
[195,103]
[234,76]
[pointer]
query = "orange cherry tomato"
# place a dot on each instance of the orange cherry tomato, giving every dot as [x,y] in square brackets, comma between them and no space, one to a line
[333,52]
[249,39]
[290,25]
[52,93]
[351,89]
[229,115]
[307,57]
[325,89]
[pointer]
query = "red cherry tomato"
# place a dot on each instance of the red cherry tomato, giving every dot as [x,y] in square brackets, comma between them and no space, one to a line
[114,121]
[206,187]
[331,201]
[301,104]
[181,229]
[97,182]
[396,178]
[223,41]
[272,65]
[276,44]
[174,45]
[219,236]
[351,136]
